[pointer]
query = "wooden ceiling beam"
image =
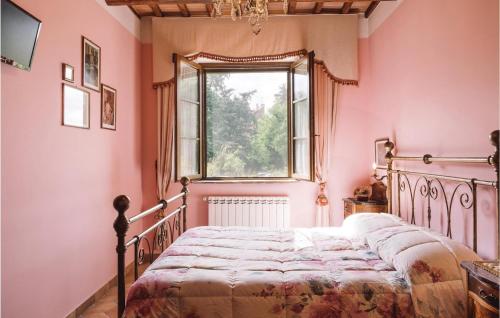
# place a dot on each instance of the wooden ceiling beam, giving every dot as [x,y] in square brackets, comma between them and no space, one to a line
[131,2]
[184,9]
[152,2]
[210,8]
[292,6]
[308,11]
[371,8]
[156,10]
[133,11]
[172,14]
[346,7]
[318,7]
[203,14]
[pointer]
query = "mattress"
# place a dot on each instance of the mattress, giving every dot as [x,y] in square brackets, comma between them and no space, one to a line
[370,267]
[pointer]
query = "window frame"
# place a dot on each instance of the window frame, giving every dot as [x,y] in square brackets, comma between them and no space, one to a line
[177,59]
[250,67]
[309,58]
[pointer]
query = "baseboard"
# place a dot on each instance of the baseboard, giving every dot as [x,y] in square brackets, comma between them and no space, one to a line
[99,293]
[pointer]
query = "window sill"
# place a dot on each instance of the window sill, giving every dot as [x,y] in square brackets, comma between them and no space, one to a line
[246,181]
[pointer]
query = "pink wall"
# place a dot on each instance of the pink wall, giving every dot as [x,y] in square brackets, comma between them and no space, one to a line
[58,182]
[432,78]
[350,163]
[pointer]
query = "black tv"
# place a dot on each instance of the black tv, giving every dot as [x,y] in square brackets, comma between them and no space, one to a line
[20,32]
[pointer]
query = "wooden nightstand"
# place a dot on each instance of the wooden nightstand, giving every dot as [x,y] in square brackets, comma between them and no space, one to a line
[482,291]
[352,205]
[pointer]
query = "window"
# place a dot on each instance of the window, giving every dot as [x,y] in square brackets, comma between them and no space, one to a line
[238,121]
[247,124]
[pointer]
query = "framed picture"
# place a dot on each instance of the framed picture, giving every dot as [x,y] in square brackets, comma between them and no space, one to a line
[108,107]
[76,107]
[91,64]
[380,152]
[68,73]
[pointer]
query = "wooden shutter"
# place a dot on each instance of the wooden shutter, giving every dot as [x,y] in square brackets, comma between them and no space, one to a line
[188,109]
[302,126]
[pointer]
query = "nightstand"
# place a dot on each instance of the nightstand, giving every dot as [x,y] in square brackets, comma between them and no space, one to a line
[482,289]
[352,205]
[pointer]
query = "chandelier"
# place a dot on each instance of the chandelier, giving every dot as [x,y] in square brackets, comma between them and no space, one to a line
[256,10]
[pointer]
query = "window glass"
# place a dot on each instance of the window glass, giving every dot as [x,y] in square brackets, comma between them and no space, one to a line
[247,124]
[301,120]
[301,137]
[301,81]
[188,113]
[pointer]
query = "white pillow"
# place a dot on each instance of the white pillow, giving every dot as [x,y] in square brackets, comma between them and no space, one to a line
[359,225]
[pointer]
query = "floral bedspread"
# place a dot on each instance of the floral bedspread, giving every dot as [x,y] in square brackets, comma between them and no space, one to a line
[372,266]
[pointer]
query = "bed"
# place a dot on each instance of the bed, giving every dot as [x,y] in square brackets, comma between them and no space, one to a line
[374,265]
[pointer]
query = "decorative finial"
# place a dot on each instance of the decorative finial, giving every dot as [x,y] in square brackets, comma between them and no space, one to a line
[389,146]
[121,203]
[494,159]
[494,137]
[185,181]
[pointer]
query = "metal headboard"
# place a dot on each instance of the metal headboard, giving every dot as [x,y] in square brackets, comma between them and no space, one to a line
[430,186]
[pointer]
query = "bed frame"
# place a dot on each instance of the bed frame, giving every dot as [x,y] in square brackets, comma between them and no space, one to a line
[432,187]
[163,232]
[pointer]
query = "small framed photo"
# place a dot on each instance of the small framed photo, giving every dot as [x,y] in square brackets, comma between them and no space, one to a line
[108,107]
[91,64]
[76,107]
[68,73]
[380,153]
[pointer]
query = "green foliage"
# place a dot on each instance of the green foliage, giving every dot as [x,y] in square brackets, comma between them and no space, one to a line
[226,163]
[241,143]
[230,120]
[270,145]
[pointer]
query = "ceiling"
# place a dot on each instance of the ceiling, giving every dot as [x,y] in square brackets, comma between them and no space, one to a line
[203,8]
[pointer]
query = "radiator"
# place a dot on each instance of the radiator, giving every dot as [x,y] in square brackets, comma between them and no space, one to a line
[250,211]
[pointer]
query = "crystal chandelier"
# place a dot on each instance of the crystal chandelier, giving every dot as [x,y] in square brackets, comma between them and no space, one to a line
[256,10]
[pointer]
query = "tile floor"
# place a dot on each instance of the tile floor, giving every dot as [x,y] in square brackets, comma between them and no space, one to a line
[106,306]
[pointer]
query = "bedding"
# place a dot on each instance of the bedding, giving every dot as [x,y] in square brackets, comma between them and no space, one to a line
[375,265]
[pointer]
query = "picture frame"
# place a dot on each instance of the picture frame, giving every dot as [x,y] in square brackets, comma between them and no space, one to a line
[108,107]
[75,107]
[68,73]
[91,65]
[380,153]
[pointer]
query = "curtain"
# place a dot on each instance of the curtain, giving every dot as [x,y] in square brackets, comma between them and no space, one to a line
[165,93]
[326,92]
[325,111]
[334,38]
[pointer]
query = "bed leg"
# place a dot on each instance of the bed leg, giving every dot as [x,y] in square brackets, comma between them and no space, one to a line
[389,146]
[121,224]
[494,161]
[185,182]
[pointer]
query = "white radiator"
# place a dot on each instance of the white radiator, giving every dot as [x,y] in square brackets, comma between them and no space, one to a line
[249,211]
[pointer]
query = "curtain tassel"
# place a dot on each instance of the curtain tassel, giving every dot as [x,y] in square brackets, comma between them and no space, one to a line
[322,199]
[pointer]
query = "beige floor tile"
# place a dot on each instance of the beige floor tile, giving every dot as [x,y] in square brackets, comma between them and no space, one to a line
[106,306]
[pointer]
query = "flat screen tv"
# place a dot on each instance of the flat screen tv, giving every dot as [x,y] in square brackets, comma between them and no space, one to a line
[20,32]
